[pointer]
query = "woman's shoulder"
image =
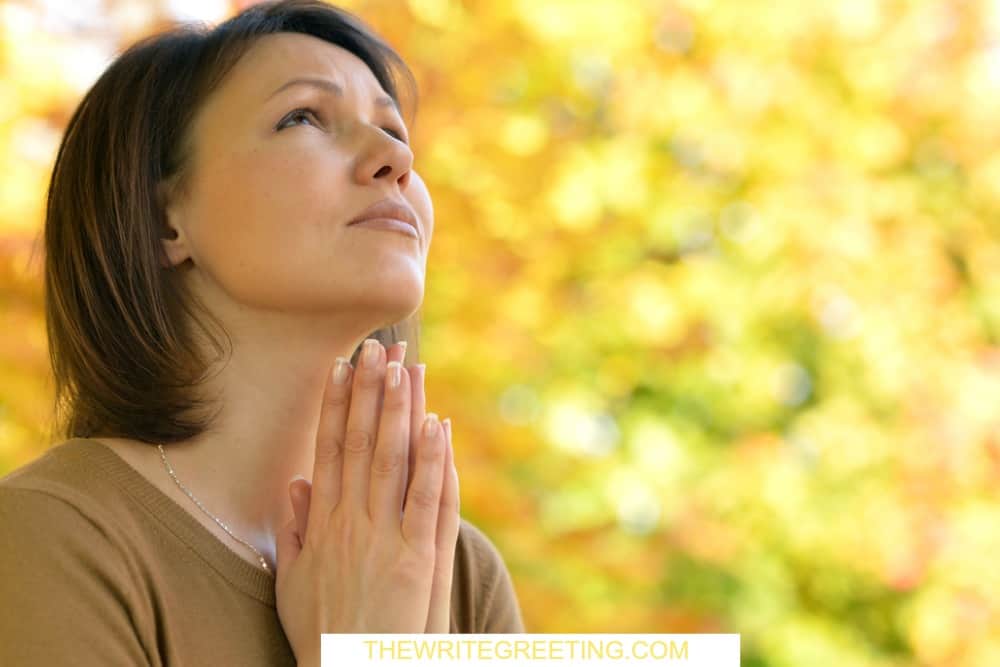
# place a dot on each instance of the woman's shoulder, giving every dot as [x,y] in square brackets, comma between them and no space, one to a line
[61,566]
[477,548]
[483,596]
[56,508]
[62,488]
[63,469]
[55,470]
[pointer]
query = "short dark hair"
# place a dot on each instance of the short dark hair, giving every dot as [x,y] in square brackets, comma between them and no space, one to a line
[120,326]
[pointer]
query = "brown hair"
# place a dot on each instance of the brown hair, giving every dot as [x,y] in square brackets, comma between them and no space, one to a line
[120,325]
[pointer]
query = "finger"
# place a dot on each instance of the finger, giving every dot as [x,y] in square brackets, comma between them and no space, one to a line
[450,465]
[417,415]
[389,461]
[447,537]
[397,352]
[362,422]
[329,454]
[423,497]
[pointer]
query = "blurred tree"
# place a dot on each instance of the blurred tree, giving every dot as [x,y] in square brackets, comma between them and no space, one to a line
[713,302]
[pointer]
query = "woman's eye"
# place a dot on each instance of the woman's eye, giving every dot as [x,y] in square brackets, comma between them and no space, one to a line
[306,112]
[298,113]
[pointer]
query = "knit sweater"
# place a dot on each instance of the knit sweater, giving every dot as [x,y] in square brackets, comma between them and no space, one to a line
[100,567]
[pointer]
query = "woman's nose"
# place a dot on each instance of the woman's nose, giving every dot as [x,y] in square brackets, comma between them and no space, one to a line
[387,159]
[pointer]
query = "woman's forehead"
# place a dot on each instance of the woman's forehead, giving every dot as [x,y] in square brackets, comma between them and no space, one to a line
[275,60]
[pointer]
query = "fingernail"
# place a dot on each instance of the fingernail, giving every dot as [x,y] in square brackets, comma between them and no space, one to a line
[446,425]
[370,352]
[340,370]
[431,425]
[395,369]
[402,344]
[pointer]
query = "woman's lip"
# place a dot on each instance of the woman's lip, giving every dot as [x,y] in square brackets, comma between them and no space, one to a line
[388,224]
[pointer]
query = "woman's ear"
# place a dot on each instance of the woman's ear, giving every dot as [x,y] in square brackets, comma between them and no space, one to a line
[175,244]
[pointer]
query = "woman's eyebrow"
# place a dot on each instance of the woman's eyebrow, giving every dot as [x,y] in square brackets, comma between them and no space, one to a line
[330,87]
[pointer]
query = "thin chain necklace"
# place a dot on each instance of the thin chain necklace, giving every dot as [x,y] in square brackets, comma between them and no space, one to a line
[170,470]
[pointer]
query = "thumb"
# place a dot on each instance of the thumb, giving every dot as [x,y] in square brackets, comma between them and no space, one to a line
[287,550]
[300,491]
[288,544]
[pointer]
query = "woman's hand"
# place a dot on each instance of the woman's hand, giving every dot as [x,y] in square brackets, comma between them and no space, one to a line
[438,620]
[351,560]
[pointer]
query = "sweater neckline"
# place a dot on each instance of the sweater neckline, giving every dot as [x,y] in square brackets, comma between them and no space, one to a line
[252,580]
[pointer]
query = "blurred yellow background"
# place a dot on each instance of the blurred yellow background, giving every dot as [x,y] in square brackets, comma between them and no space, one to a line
[713,301]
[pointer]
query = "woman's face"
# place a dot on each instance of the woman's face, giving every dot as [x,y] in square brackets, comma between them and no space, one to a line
[272,189]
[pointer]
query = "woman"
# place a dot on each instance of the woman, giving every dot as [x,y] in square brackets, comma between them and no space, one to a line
[253,183]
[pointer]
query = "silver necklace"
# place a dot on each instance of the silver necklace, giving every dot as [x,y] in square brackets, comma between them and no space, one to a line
[170,470]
